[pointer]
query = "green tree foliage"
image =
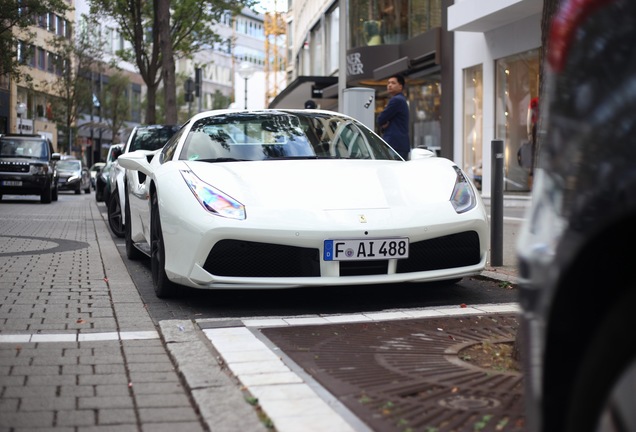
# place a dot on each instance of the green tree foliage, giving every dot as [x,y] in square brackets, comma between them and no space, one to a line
[15,18]
[190,30]
[74,85]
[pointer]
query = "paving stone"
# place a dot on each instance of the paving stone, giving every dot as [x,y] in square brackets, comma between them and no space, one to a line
[102,379]
[39,403]
[27,419]
[158,400]
[112,390]
[166,414]
[116,416]
[103,402]
[76,418]
[171,427]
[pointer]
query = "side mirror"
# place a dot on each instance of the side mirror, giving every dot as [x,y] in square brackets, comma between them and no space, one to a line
[56,156]
[420,153]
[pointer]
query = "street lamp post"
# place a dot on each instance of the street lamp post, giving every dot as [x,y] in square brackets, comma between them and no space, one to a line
[246,71]
[20,109]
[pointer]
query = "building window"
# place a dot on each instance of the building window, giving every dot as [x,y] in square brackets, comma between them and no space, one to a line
[473,122]
[316,52]
[333,40]
[424,96]
[41,59]
[517,91]
[391,21]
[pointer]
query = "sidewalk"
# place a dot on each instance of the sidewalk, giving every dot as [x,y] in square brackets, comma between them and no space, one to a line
[78,350]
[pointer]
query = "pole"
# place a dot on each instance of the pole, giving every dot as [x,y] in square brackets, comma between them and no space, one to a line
[496,203]
[246,93]
[342,54]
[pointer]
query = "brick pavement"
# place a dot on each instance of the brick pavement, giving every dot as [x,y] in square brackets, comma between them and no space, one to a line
[78,350]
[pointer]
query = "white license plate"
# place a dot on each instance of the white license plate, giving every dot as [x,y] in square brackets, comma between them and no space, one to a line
[11,183]
[366,249]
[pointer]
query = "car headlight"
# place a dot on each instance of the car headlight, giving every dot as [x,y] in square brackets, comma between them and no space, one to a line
[463,197]
[73,178]
[38,169]
[213,200]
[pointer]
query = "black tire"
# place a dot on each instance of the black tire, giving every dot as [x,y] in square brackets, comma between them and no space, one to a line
[131,251]
[46,196]
[115,219]
[164,288]
[54,193]
[609,356]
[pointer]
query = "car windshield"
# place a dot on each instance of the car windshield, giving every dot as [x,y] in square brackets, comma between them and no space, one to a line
[282,135]
[152,138]
[68,165]
[35,148]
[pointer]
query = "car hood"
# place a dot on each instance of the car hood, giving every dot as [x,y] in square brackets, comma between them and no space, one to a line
[68,172]
[331,184]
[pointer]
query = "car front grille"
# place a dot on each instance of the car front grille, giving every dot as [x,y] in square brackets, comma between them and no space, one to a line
[14,167]
[237,258]
[252,259]
[455,250]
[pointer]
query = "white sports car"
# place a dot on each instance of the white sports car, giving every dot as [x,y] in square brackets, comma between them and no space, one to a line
[292,198]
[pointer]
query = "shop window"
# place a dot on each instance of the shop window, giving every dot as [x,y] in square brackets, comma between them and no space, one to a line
[517,91]
[473,123]
[391,21]
[424,96]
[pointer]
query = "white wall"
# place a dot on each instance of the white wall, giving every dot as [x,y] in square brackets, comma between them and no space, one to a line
[485,48]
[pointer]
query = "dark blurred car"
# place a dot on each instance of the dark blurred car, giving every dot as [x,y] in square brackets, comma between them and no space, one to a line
[27,167]
[150,137]
[576,252]
[73,175]
[102,181]
[94,170]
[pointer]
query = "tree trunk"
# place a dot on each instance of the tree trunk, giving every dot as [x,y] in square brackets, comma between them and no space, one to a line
[151,107]
[162,8]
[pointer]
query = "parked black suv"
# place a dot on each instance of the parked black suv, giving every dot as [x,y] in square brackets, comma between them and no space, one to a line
[27,167]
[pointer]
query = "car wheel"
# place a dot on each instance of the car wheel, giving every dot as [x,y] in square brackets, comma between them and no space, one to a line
[163,286]
[131,251]
[47,194]
[604,389]
[54,194]
[114,215]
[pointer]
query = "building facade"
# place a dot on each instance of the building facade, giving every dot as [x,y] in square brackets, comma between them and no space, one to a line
[497,61]
[25,107]
[382,38]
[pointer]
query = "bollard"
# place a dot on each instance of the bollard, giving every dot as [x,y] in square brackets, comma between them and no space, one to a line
[496,203]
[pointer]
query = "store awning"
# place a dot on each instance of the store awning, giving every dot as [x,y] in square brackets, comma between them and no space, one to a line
[485,15]
[304,88]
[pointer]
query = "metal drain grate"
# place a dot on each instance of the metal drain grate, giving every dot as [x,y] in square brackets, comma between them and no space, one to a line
[406,376]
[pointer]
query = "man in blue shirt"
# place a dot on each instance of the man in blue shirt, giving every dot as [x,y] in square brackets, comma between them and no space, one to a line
[394,120]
